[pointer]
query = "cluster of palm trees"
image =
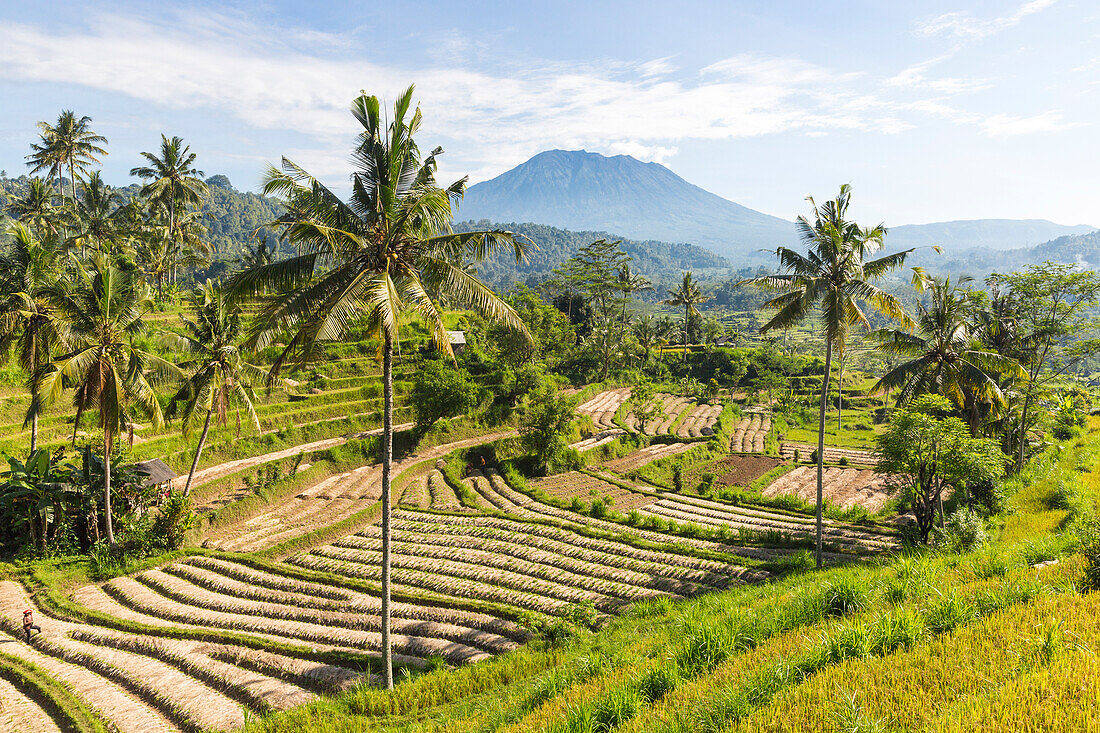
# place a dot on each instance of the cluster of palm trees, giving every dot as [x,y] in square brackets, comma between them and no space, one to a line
[970,348]
[75,310]
[161,230]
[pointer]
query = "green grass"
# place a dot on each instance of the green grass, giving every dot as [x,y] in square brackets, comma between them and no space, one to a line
[55,698]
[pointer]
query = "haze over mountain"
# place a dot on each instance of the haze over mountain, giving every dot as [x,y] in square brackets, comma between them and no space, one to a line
[983,233]
[579,190]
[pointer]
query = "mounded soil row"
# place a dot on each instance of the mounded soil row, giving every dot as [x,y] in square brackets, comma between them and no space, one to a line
[842,487]
[602,407]
[832,455]
[646,455]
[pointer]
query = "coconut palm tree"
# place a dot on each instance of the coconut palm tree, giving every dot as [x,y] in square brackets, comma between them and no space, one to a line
[368,259]
[219,377]
[944,356]
[99,320]
[27,324]
[95,223]
[35,208]
[689,296]
[835,278]
[172,181]
[70,143]
[629,284]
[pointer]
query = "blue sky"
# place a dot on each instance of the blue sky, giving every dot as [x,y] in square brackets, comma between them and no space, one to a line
[933,110]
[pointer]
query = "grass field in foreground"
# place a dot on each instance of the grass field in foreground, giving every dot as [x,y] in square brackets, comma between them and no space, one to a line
[981,641]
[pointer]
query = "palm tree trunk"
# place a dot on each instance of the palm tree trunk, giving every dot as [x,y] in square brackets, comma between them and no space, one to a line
[687,322]
[840,398]
[72,179]
[821,443]
[34,431]
[198,452]
[1023,431]
[107,489]
[387,459]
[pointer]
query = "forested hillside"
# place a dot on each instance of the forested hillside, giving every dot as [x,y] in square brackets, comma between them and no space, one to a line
[657,261]
[230,216]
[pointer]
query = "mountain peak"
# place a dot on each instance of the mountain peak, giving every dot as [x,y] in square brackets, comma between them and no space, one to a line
[582,190]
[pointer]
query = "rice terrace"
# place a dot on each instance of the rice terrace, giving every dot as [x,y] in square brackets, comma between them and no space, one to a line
[578,448]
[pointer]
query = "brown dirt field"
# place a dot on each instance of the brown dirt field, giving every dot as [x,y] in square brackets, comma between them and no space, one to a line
[742,470]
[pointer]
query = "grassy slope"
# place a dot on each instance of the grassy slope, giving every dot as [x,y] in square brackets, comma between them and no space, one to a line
[785,655]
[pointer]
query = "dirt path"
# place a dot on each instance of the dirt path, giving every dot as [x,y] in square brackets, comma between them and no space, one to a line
[326,503]
[221,470]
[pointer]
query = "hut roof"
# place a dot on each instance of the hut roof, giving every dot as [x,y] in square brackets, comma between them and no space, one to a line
[157,471]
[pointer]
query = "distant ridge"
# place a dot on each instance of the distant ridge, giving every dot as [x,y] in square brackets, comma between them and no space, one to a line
[579,190]
[982,233]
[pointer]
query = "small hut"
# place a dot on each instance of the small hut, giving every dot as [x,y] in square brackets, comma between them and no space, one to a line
[158,473]
[457,339]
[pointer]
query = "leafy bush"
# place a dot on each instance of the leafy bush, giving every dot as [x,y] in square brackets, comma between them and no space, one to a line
[1090,549]
[963,531]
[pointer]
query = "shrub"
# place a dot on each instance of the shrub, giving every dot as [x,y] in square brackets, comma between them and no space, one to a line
[964,531]
[174,521]
[678,477]
[843,461]
[1090,548]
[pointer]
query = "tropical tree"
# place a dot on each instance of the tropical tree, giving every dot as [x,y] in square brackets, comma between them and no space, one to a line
[99,320]
[95,222]
[835,278]
[27,323]
[1052,308]
[70,143]
[687,295]
[35,209]
[630,284]
[172,181]
[944,358]
[218,378]
[366,260]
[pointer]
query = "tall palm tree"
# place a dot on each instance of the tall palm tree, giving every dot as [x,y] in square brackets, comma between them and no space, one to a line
[367,260]
[27,324]
[35,208]
[94,214]
[835,278]
[99,320]
[944,357]
[172,181]
[218,374]
[688,295]
[629,284]
[70,143]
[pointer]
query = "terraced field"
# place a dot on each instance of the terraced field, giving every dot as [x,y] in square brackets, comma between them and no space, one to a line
[646,455]
[842,487]
[832,455]
[602,407]
[324,503]
[750,435]
[680,416]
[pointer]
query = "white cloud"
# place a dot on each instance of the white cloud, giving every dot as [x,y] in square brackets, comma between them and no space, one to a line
[1009,126]
[304,81]
[648,153]
[964,25]
[916,77]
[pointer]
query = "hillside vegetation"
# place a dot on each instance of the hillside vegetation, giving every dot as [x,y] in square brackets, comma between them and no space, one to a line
[351,487]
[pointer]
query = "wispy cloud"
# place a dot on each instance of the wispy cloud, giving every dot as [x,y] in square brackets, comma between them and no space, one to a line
[962,24]
[304,81]
[1009,126]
